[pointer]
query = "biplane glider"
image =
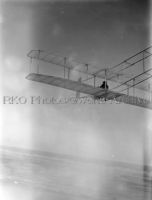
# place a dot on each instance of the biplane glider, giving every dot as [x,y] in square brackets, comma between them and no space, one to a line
[129,80]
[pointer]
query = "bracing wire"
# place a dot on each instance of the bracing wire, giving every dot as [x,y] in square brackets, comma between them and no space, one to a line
[132,79]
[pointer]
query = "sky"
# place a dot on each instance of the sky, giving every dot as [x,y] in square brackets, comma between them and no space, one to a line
[99,32]
[102,33]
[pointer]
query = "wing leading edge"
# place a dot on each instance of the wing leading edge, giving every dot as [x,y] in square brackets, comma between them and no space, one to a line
[67,84]
[96,92]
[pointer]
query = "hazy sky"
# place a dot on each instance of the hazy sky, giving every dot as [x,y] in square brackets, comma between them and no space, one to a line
[104,32]
[100,32]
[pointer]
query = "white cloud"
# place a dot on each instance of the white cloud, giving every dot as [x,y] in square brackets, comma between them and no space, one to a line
[14,73]
[15,82]
[13,63]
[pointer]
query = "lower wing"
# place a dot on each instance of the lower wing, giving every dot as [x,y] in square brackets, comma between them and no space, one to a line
[96,92]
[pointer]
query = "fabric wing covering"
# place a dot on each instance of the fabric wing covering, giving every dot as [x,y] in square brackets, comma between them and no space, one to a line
[73,85]
[95,92]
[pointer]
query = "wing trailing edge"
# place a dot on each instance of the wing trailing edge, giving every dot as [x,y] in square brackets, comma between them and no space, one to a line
[96,92]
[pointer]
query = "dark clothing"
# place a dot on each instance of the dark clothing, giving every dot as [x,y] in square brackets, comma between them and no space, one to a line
[104,85]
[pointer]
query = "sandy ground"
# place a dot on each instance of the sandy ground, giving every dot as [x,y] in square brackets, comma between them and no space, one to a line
[31,175]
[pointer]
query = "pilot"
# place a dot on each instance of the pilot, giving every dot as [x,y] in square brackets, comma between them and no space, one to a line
[104,85]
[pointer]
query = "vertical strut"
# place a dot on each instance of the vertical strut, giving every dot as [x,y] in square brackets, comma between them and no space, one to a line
[68,73]
[143,61]
[133,87]
[87,69]
[39,51]
[94,79]
[30,67]
[105,78]
[64,65]
[127,90]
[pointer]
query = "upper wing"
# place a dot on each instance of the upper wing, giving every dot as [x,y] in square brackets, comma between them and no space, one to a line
[132,72]
[96,92]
